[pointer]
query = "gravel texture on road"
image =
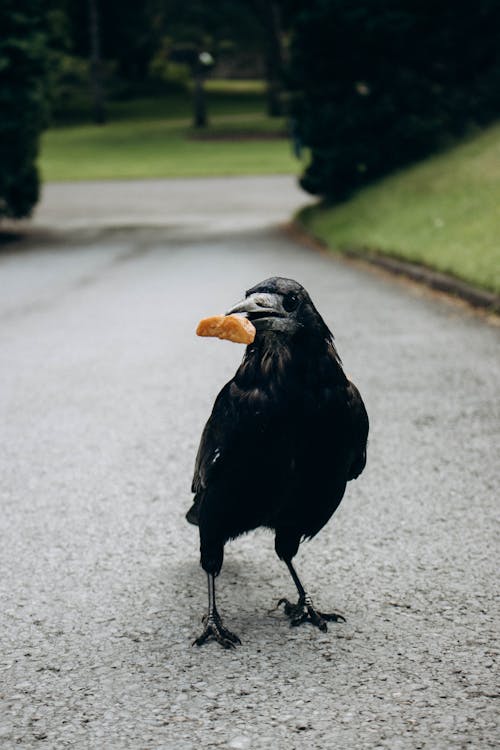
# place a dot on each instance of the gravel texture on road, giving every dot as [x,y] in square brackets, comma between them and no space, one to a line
[104,390]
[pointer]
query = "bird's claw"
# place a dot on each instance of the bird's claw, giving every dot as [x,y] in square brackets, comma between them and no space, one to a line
[304,611]
[214,629]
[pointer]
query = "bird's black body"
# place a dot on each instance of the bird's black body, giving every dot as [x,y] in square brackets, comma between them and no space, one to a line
[285,436]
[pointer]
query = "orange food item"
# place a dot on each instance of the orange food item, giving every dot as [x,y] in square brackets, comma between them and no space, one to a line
[231,327]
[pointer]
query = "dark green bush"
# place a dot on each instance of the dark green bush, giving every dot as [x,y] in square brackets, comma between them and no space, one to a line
[22,104]
[380,83]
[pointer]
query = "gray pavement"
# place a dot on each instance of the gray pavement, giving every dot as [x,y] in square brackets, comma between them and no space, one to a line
[104,390]
[220,203]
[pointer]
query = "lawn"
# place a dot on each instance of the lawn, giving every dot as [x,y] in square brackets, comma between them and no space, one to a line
[443,212]
[154,138]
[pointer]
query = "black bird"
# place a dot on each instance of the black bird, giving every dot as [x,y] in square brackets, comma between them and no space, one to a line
[285,436]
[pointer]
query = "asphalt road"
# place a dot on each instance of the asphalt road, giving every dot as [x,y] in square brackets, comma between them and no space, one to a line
[104,390]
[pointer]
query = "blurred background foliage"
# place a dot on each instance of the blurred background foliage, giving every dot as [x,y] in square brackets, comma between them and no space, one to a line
[381,83]
[23,110]
[154,47]
[173,87]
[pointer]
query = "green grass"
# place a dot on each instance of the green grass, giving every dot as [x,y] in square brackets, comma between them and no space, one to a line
[154,138]
[443,213]
[236,86]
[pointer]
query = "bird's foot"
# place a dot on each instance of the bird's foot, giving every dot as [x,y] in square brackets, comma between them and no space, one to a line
[304,611]
[214,629]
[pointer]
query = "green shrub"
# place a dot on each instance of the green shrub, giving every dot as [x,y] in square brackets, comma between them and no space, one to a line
[173,76]
[69,85]
[23,59]
[380,83]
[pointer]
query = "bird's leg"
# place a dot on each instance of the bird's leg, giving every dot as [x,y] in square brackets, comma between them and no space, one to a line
[213,623]
[304,610]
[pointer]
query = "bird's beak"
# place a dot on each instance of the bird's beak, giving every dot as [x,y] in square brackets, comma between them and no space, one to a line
[266,312]
[259,305]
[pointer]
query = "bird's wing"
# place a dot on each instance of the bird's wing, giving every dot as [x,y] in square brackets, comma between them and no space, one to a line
[215,440]
[359,426]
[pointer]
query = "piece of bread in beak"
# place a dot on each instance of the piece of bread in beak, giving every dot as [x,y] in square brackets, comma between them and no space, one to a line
[231,327]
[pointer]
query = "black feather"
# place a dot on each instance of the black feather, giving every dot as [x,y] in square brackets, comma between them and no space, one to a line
[284,437]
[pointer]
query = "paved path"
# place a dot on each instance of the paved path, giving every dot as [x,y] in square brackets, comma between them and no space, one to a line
[221,203]
[103,393]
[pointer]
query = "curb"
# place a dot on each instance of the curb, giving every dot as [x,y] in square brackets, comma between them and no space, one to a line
[441,282]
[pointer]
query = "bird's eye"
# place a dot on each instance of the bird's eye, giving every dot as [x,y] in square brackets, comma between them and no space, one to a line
[290,302]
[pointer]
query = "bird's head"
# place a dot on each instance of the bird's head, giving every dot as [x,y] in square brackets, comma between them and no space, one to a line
[281,306]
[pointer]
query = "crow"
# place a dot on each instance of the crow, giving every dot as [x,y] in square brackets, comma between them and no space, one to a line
[285,436]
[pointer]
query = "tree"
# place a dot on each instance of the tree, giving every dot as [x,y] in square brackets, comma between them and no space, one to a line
[96,83]
[380,83]
[23,63]
[223,26]
[200,31]
[270,17]
[127,30]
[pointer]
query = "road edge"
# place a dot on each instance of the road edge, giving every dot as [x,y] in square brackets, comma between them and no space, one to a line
[453,288]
